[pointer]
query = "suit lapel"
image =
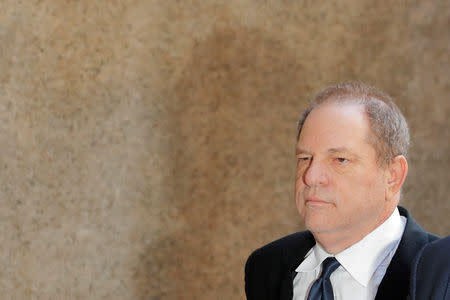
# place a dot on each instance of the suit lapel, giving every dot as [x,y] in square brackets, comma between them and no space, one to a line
[292,258]
[286,290]
[395,283]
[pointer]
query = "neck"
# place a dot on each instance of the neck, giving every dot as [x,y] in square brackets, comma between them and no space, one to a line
[334,244]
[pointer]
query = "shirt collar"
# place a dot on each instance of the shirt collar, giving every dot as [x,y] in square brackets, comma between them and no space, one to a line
[361,259]
[313,259]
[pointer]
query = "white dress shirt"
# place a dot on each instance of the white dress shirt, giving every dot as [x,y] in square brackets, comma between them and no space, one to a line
[363,264]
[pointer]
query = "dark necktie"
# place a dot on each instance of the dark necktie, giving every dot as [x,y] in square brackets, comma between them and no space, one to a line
[322,289]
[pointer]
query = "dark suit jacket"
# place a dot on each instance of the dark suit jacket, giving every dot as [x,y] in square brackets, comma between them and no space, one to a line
[430,278]
[270,270]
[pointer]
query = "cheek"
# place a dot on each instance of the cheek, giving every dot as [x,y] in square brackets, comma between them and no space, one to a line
[368,189]
[373,181]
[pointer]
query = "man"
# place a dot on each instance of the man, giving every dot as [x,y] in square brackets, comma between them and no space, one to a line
[351,164]
[431,272]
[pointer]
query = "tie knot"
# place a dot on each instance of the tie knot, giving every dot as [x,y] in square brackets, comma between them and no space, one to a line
[330,264]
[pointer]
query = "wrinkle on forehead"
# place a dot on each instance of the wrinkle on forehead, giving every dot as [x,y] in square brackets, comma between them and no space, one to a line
[344,126]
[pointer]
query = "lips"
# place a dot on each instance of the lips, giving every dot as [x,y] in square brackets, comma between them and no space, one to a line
[315,201]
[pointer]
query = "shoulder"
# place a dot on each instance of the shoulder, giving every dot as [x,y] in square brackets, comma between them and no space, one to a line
[434,259]
[283,247]
[437,249]
[431,271]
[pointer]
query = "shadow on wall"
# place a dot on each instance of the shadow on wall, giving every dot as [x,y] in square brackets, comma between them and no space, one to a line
[237,99]
[230,162]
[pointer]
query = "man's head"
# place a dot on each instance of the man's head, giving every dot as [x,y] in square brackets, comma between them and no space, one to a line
[389,133]
[351,163]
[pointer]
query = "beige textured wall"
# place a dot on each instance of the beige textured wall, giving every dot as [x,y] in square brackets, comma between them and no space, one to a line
[147,146]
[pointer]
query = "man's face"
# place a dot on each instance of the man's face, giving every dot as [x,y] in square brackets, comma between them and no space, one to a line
[339,189]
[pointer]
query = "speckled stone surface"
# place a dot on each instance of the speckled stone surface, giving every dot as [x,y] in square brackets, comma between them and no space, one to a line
[147,147]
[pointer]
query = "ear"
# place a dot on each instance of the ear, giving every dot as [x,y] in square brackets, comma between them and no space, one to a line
[396,174]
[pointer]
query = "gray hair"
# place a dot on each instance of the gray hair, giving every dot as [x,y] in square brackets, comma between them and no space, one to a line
[389,131]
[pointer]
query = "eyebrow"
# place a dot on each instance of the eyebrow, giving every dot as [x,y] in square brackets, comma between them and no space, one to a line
[331,151]
[302,151]
[338,150]
[343,150]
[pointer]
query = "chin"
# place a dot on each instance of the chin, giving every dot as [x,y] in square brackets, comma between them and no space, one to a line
[313,226]
[320,229]
[318,223]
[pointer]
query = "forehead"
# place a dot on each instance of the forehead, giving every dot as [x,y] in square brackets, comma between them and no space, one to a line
[335,125]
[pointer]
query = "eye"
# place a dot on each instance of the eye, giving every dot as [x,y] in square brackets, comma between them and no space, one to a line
[342,160]
[303,158]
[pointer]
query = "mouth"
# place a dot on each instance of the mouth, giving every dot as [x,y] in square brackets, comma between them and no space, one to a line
[314,201]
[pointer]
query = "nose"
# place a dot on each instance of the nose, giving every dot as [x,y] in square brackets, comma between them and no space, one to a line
[315,174]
